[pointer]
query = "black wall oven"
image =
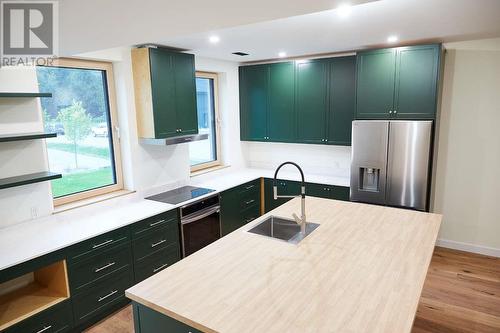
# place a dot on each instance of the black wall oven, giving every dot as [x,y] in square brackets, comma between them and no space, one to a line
[200,224]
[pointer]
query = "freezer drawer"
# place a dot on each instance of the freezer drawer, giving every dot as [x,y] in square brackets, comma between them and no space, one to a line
[408,164]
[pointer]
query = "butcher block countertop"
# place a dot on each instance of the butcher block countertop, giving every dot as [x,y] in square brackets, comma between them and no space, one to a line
[361,270]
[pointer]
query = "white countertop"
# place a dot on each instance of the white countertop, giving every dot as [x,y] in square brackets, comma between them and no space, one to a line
[34,238]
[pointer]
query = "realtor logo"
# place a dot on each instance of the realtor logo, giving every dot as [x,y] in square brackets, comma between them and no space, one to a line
[29,28]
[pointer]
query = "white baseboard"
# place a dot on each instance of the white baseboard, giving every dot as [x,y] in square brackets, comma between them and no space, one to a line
[489,251]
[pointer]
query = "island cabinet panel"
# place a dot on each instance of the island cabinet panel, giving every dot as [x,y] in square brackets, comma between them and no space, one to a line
[239,206]
[311,105]
[342,100]
[57,319]
[147,320]
[165,93]
[398,83]
[254,94]
[281,124]
[155,244]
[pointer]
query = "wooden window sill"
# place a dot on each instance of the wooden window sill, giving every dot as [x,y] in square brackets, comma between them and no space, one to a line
[207,170]
[89,201]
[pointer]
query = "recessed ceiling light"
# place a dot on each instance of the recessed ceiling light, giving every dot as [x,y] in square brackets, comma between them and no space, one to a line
[344,10]
[392,39]
[214,39]
[282,54]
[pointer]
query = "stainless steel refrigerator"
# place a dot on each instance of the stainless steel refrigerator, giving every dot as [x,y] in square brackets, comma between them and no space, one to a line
[390,162]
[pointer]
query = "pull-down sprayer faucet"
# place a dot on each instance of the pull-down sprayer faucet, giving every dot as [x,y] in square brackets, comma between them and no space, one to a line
[302,220]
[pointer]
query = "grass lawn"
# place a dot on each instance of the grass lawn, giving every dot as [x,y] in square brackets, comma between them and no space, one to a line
[82,181]
[84,150]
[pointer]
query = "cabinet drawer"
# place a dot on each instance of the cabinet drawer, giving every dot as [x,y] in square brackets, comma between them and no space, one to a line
[97,244]
[90,270]
[250,186]
[56,319]
[102,296]
[154,222]
[249,198]
[152,241]
[250,214]
[157,261]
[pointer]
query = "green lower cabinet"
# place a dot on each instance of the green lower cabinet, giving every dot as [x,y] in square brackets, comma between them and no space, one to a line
[285,187]
[155,262]
[239,206]
[56,319]
[147,320]
[327,191]
[95,302]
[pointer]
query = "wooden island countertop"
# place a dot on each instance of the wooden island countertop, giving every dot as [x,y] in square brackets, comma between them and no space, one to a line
[361,270]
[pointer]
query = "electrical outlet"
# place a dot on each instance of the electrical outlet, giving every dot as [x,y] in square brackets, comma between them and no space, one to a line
[34,212]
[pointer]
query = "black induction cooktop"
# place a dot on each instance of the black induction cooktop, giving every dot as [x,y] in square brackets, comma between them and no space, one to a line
[180,194]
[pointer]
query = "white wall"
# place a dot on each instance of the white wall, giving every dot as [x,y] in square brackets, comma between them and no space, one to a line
[468,158]
[22,115]
[147,166]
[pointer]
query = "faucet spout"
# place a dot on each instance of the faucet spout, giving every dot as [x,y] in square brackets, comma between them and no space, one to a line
[302,220]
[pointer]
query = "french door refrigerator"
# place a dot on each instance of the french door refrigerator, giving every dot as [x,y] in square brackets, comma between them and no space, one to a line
[390,162]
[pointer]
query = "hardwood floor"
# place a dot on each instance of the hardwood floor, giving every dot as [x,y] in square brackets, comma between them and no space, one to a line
[461,295]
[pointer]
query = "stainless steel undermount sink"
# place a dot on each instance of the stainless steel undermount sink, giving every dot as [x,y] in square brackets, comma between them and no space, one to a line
[284,229]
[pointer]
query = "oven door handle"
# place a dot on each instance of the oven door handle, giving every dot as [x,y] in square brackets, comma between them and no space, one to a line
[201,214]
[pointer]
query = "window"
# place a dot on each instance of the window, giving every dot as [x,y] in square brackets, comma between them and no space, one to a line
[82,113]
[205,153]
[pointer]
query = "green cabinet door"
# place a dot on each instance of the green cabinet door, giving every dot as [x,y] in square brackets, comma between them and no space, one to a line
[342,100]
[375,84]
[317,190]
[340,193]
[281,102]
[147,320]
[185,93]
[311,102]
[285,187]
[230,216]
[254,81]
[163,92]
[417,70]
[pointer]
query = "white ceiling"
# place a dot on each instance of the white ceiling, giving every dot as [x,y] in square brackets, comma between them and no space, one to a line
[92,25]
[368,25]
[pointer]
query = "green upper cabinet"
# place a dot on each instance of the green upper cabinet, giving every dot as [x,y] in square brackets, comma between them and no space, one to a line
[375,83]
[398,83]
[417,71]
[281,115]
[165,93]
[342,88]
[185,93]
[254,93]
[311,104]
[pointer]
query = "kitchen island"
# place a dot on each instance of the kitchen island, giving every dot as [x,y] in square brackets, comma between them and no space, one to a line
[361,270]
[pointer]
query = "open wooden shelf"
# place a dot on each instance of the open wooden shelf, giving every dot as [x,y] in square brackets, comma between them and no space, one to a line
[21,94]
[49,287]
[26,136]
[28,179]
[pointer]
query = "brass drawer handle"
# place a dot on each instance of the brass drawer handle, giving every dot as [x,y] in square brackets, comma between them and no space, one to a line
[44,329]
[159,268]
[95,246]
[158,243]
[156,223]
[97,270]
[106,296]
[249,202]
